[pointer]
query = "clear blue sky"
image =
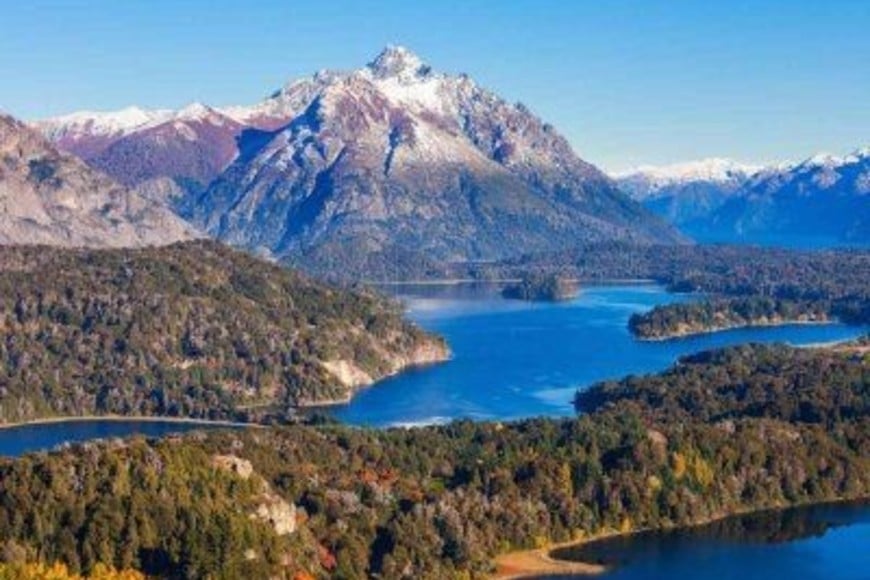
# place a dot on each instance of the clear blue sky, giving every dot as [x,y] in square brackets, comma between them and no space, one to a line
[627,82]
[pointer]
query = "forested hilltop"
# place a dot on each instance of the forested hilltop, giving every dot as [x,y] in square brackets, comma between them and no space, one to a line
[744,428]
[189,330]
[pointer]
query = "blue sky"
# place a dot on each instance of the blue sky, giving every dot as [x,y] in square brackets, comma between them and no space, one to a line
[627,82]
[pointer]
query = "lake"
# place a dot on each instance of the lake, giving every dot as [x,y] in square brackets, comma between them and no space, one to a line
[22,439]
[515,359]
[511,360]
[809,543]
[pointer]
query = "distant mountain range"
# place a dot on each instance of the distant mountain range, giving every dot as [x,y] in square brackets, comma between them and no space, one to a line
[48,197]
[822,201]
[395,163]
[390,159]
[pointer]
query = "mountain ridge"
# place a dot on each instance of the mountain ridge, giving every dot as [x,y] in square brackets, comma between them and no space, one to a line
[396,154]
[393,157]
[821,199]
[56,199]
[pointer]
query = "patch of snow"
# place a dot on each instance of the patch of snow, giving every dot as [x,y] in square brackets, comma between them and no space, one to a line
[102,122]
[399,63]
[714,169]
[425,94]
[195,112]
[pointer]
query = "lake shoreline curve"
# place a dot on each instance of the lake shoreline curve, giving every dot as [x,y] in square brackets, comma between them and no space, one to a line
[540,562]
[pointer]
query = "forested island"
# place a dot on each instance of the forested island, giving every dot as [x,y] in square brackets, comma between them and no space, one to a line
[741,285]
[748,285]
[722,432]
[541,288]
[190,330]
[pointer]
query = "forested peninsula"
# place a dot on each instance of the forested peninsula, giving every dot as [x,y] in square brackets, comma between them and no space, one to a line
[191,330]
[721,432]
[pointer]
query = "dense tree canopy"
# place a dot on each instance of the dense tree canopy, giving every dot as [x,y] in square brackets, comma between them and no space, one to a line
[744,428]
[193,329]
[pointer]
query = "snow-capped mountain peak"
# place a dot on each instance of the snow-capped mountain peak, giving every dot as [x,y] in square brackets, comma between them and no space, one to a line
[102,122]
[196,111]
[822,160]
[828,160]
[398,62]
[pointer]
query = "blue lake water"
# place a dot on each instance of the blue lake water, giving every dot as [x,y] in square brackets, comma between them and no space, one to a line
[514,359]
[810,543]
[510,360]
[16,441]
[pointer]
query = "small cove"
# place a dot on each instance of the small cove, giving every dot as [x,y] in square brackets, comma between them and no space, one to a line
[513,360]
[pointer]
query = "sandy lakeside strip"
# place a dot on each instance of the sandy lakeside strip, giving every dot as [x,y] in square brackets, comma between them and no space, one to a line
[539,562]
[130,419]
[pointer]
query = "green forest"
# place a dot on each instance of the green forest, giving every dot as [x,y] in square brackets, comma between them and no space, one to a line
[190,330]
[724,431]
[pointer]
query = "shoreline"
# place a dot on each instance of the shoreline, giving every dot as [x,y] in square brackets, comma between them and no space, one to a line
[129,419]
[540,562]
[724,328]
[346,399]
[498,281]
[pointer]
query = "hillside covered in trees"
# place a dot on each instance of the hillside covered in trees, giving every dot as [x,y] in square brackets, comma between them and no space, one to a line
[743,428]
[190,330]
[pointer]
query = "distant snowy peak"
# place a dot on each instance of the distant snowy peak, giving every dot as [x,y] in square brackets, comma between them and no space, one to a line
[714,169]
[399,63]
[100,123]
[118,123]
[828,160]
[196,112]
[653,182]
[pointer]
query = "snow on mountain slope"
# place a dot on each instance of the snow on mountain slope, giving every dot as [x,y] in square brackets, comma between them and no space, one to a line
[649,180]
[191,147]
[821,201]
[397,157]
[47,197]
[87,133]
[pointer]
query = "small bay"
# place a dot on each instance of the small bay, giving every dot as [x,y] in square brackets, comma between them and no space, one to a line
[514,359]
[511,360]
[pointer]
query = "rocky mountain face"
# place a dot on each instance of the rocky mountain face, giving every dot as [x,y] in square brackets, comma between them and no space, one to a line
[170,154]
[394,158]
[143,149]
[822,201]
[47,197]
[390,159]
